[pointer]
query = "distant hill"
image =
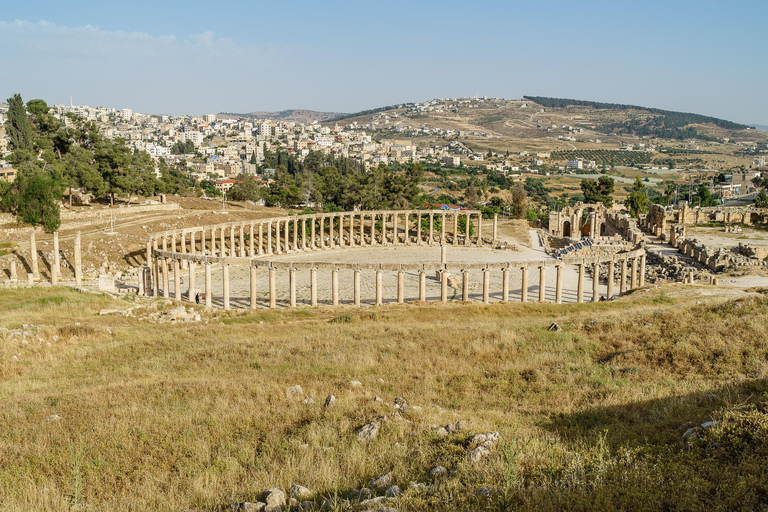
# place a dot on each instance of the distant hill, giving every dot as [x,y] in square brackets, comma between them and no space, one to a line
[763,127]
[297,115]
[666,124]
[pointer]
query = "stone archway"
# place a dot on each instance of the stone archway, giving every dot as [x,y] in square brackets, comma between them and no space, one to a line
[754,218]
[586,226]
[603,229]
[566,229]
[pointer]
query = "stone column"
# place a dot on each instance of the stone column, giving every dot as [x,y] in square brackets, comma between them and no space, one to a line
[304,233]
[505,284]
[443,285]
[296,234]
[443,255]
[331,243]
[14,272]
[269,238]
[634,274]
[356,280]
[335,285]
[378,288]
[468,218]
[225,281]
[278,247]
[183,249]
[524,285]
[287,242]
[232,242]
[479,229]
[78,261]
[208,288]
[384,229]
[422,285]
[580,287]
[251,252]
[373,229]
[33,255]
[465,285]
[252,272]
[176,279]
[596,282]
[400,286]
[623,281]
[260,250]
[431,228]
[442,229]
[641,277]
[191,288]
[418,229]
[559,285]
[223,251]
[542,284]
[322,231]
[292,286]
[495,227]
[155,271]
[272,289]
[611,271]
[57,255]
[166,284]
[242,241]
[313,286]
[312,238]
[486,285]
[455,228]
[394,228]
[164,239]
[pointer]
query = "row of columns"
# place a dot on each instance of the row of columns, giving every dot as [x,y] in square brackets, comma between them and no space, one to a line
[632,274]
[55,264]
[276,236]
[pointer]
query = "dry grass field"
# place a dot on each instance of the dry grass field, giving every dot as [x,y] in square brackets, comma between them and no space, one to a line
[112,413]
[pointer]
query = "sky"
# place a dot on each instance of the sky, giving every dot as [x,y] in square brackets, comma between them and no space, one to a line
[191,57]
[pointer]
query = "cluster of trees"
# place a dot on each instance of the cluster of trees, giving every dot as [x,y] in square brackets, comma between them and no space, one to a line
[599,191]
[761,199]
[52,156]
[184,148]
[605,157]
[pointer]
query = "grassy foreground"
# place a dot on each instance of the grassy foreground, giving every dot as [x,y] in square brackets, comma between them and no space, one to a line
[108,413]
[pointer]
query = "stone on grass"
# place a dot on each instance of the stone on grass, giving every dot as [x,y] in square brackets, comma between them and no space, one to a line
[401,405]
[437,471]
[485,492]
[368,431]
[381,482]
[329,400]
[274,497]
[299,492]
[554,327]
[393,491]
[294,392]
[478,454]
[441,432]
[462,425]
[247,506]
[309,400]
[355,384]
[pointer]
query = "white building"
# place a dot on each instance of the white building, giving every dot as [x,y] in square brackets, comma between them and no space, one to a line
[575,164]
[209,118]
[453,161]
[126,114]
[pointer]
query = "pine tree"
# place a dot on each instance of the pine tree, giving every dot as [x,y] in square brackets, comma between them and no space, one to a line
[18,127]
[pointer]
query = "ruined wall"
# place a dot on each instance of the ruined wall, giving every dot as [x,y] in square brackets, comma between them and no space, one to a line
[659,218]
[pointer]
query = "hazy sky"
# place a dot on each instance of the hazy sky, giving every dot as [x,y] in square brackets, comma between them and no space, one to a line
[703,56]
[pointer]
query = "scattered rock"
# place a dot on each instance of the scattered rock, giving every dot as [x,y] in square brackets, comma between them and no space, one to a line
[53,417]
[709,424]
[309,400]
[485,492]
[248,507]
[299,492]
[393,491]
[355,384]
[554,327]
[274,497]
[478,454]
[437,472]
[462,425]
[368,431]
[401,405]
[329,400]
[374,501]
[441,432]
[489,440]
[294,392]
[307,506]
[381,482]
[378,399]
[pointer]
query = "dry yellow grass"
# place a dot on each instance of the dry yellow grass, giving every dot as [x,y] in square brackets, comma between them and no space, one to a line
[196,416]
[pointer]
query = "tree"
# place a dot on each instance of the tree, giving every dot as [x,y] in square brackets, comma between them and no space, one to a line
[670,191]
[246,189]
[17,125]
[519,203]
[600,191]
[37,107]
[637,202]
[761,199]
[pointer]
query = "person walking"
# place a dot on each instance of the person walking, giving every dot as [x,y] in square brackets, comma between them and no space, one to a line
[197,298]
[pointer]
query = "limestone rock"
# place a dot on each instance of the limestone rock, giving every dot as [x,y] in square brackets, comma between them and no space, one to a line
[330,399]
[368,431]
[381,482]
[485,492]
[462,425]
[437,472]
[299,492]
[374,501]
[355,384]
[393,491]
[274,497]
[441,432]
[309,400]
[478,454]
[294,392]
[248,507]
[554,327]
[401,405]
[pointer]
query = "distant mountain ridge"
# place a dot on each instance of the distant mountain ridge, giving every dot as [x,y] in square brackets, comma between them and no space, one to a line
[763,127]
[296,115]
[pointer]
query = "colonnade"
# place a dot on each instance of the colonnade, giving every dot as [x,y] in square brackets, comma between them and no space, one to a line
[298,233]
[631,268]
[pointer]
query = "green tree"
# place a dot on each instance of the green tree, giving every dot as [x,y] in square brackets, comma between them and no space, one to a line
[17,126]
[761,199]
[638,201]
[519,203]
[246,189]
[600,191]
[37,107]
